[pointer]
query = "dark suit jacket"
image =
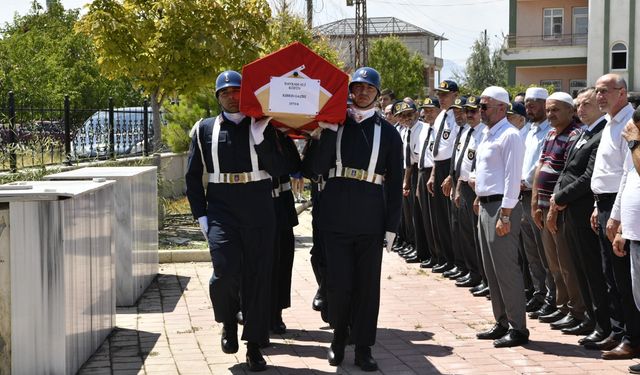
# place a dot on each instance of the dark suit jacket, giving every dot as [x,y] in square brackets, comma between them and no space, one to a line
[574,183]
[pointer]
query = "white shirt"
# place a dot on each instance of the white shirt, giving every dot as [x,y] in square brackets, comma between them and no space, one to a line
[524,131]
[415,145]
[608,167]
[470,153]
[449,133]
[626,209]
[426,135]
[533,143]
[499,163]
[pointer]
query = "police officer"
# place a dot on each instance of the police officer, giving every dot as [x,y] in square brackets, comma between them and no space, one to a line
[236,214]
[361,201]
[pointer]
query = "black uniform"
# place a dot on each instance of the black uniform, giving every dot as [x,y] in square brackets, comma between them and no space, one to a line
[354,215]
[241,221]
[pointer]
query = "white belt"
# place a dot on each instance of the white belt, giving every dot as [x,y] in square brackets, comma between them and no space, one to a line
[286,186]
[356,174]
[238,178]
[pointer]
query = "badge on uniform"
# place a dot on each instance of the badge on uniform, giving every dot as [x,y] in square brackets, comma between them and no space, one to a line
[446,134]
[223,136]
[471,154]
[459,146]
[431,146]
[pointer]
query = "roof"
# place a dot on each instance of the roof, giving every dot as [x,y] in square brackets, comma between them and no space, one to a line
[376,26]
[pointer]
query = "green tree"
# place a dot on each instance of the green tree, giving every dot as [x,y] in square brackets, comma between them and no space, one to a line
[399,70]
[42,60]
[484,67]
[170,47]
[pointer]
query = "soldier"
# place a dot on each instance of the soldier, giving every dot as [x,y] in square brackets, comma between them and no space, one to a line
[236,214]
[360,203]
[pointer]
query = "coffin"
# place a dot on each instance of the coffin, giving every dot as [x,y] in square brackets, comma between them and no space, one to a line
[296,87]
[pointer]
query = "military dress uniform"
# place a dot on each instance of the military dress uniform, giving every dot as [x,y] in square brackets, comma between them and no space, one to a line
[239,208]
[361,200]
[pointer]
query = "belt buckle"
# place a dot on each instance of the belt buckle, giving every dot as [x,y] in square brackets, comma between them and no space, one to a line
[357,174]
[238,178]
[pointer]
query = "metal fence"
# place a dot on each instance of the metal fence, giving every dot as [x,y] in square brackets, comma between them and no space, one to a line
[44,136]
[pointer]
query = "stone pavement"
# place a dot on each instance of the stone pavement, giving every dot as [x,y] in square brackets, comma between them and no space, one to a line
[426,326]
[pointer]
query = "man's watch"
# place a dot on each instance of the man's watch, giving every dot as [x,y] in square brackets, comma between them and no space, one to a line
[505,219]
[633,144]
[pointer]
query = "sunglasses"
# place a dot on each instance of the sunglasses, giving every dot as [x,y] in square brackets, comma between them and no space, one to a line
[484,106]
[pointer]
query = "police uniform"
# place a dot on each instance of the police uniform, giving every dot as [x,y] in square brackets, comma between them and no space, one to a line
[286,219]
[360,202]
[239,208]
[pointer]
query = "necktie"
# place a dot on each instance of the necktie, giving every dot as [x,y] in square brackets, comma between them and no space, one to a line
[424,147]
[407,150]
[439,135]
[455,149]
[464,149]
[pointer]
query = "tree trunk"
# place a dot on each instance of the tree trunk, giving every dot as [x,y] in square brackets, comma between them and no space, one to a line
[157,125]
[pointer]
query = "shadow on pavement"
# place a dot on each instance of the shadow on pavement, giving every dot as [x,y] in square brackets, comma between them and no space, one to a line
[125,349]
[562,349]
[162,295]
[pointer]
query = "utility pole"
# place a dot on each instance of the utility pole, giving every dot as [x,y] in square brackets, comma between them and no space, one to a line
[310,14]
[361,32]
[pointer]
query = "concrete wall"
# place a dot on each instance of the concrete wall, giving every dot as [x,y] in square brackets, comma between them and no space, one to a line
[533,75]
[530,15]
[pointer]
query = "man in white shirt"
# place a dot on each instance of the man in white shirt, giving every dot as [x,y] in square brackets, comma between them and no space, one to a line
[629,230]
[498,170]
[543,301]
[608,171]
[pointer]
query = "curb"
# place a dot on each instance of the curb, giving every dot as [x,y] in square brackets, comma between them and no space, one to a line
[186,256]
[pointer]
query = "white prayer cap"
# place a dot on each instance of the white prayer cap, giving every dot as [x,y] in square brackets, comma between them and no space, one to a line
[561,96]
[536,93]
[497,93]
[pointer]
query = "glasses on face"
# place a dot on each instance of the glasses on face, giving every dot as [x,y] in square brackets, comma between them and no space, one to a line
[485,106]
[605,90]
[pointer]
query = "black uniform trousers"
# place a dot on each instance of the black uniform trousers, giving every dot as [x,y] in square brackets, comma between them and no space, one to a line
[318,261]
[353,283]
[469,232]
[408,230]
[588,257]
[424,201]
[440,214]
[420,239]
[457,232]
[282,256]
[242,257]
[625,318]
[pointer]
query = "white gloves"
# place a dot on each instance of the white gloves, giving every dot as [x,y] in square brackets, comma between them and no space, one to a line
[257,129]
[326,125]
[390,237]
[204,226]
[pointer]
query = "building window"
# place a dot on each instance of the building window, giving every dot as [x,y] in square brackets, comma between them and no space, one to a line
[576,85]
[619,57]
[552,23]
[580,20]
[556,83]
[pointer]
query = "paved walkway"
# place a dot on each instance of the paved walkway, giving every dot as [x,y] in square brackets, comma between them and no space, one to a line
[426,326]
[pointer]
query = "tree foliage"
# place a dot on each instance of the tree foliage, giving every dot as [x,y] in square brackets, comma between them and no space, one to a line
[484,67]
[42,60]
[169,47]
[399,70]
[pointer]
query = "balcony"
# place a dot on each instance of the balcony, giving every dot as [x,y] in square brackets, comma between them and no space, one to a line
[556,40]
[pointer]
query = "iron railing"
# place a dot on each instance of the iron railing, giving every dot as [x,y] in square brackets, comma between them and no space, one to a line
[45,136]
[529,41]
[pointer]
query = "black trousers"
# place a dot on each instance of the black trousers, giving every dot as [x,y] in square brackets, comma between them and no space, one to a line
[457,232]
[420,239]
[440,213]
[241,280]
[469,231]
[407,220]
[282,270]
[625,318]
[425,202]
[353,283]
[318,260]
[586,252]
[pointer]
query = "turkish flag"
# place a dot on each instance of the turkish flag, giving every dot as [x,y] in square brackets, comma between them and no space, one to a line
[296,87]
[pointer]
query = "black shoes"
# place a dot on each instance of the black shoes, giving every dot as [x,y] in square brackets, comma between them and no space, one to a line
[428,263]
[229,338]
[478,287]
[546,309]
[482,292]
[440,268]
[364,360]
[255,361]
[534,305]
[318,301]
[512,338]
[413,259]
[335,355]
[584,328]
[553,317]
[569,321]
[469,282]
[451,272]
[496,332]
[593,337]
[240,318]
